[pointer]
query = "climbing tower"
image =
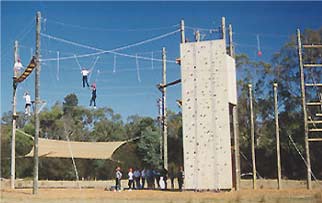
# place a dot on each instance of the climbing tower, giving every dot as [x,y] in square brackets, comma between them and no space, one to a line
[208,91]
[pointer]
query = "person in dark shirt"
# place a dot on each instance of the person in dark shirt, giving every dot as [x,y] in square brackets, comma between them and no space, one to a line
[93,99]
[180,177]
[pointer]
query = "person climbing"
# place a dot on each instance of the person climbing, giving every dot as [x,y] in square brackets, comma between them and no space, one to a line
[28,103]
[85,73]
[93,99]
[17,67]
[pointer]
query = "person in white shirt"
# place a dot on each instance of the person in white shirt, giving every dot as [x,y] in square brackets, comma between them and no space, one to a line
[17,67]
[118,176]
[28,103]
[85,73]
[131,182]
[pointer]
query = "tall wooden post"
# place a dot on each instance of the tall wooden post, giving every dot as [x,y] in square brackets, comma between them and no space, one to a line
[306,130]
[164,110]
[37,101]
[183,40]
[160,126]
[236,147]
[252,133]
[223,28]
[197,36]
[231,46]
[279,176]
[14,120]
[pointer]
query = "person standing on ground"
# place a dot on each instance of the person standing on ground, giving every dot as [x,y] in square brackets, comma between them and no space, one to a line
[28,103]
[131,182]
[143,177]
[137,176]
[85,73]
[164,174]
[180,177]
[93,98]
[118,176]
[172,176]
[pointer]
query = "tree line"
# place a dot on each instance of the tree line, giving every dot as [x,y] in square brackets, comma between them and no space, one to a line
[103,124]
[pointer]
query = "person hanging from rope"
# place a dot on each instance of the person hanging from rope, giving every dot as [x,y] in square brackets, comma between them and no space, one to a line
[93,99]
[85,73]
[28,103]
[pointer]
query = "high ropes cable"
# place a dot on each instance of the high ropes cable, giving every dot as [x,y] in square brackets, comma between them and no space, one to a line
[113,51]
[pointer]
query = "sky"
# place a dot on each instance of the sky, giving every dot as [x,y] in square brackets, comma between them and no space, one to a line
[128,84]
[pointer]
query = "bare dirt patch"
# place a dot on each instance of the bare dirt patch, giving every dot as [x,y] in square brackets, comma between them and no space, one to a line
[147,196]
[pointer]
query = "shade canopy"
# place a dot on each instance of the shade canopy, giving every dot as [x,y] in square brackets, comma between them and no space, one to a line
[83,150]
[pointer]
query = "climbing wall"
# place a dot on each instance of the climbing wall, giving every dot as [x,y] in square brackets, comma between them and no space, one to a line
[206,129]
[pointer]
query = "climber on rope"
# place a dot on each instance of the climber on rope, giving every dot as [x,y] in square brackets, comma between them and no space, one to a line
[85,73]
[17,67]
[93,99]
[28,103]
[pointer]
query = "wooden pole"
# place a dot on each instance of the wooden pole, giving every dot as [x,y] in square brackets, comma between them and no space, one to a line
[236,147]
[14,121]
[160,126]
[197,36]
[252,134]
[279,176]
[37,101]
[183,40]
[306,130]
[231,46]
[164,110]
[223,28]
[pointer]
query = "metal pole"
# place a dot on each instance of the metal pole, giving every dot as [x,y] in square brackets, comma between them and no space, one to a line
[14,119]
[164,110]
[252,133]
[306,130]
[231,46]
[236,146]
[37,101]
[182,31]
[223,28]
[279,176]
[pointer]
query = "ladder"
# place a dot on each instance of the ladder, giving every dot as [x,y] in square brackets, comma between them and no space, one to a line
[312,123]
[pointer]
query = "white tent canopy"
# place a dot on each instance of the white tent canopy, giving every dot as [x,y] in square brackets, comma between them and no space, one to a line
[84,150]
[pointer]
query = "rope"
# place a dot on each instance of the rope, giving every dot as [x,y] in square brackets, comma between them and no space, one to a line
[114,67]
[92,68]
[137,69]
[298,151]
[112,29]
[101,51]
[80,67]
[202,29]
[71,153]
[152,60]
[57,73]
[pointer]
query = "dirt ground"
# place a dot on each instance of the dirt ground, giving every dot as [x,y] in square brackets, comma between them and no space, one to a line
[147,196]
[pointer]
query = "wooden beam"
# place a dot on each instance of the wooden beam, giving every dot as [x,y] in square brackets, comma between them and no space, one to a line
[312,65]
[313,103]
[313,85]
[315,130]
[315,139]
[316,46]
[315,122]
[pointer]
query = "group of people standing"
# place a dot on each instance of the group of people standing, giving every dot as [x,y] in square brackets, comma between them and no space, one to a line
[149,179]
